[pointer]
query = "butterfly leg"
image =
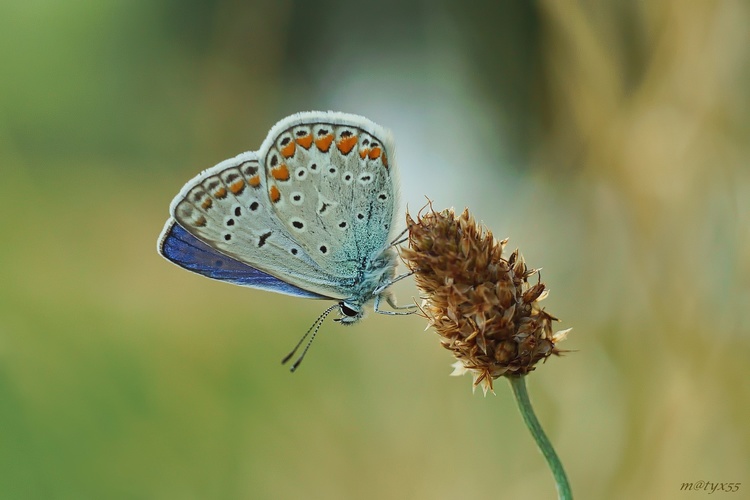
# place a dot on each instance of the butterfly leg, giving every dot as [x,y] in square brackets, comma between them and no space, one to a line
[391,302]
[399,239]
[398,278]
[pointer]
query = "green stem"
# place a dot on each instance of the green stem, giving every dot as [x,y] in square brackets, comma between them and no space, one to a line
[518,384]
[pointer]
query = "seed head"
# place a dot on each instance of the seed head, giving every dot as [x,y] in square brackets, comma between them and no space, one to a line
[480,303]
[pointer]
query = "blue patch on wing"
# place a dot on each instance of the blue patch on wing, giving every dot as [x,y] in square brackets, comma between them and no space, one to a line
[190,253]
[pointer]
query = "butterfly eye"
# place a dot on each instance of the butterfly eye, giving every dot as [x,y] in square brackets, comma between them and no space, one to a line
[348,311]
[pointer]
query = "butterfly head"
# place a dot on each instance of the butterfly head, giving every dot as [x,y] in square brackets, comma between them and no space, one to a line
[350,312]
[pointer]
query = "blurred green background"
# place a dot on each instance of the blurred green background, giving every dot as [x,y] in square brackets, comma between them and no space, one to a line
[608,140]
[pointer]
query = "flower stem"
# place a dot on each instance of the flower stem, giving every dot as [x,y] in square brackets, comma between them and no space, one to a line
[518,384]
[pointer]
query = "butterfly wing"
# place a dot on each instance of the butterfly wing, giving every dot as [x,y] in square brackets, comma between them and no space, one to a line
[331,184]
[188,252]
[227,208]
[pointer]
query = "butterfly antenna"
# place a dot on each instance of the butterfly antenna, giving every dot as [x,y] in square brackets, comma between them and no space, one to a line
[314,329]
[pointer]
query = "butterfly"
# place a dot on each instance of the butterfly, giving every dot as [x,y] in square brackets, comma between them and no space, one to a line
[310,214]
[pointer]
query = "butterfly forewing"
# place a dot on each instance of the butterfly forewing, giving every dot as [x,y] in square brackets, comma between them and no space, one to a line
[330,185]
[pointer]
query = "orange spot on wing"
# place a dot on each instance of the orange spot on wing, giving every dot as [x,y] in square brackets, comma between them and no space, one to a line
[363,152]
[280,173]
[237,187]
[207,203]
[254,181]
[384,159]
[375,153]
[346,144]
[305,141]
[200,221]
[221,193]
[288,150]
[274,194]
[323,143]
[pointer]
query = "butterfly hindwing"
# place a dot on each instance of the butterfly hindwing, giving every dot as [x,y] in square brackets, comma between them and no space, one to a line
[227,208]
[188,252]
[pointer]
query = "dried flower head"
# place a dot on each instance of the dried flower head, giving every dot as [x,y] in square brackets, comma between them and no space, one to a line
[481,303]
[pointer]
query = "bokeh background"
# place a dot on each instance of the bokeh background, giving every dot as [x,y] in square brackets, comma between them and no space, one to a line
[608,140]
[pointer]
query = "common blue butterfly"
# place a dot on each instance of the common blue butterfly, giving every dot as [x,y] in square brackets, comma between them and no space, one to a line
[310,214]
